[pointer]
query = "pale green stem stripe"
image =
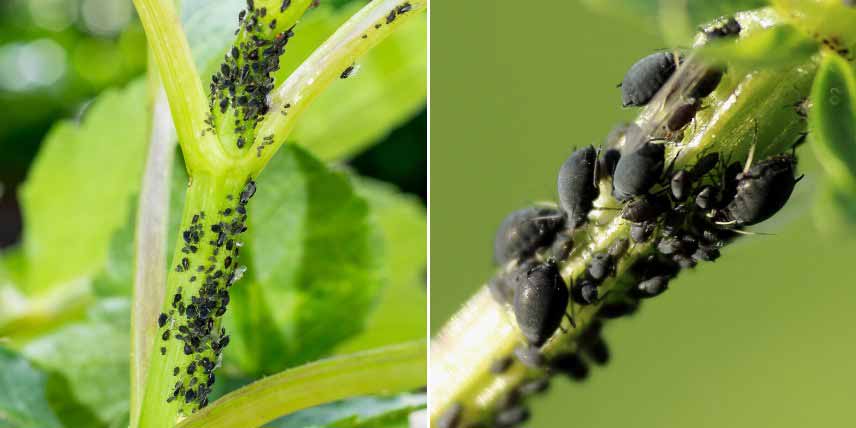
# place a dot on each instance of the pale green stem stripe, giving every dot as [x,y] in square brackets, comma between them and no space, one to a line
[368,27]
[384,370]
[188,102]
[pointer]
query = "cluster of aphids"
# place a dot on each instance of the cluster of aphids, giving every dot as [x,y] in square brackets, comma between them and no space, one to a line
[682,216]
[207,270]
[244,80]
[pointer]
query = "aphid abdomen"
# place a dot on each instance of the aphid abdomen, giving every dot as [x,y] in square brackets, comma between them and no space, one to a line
[524,231]
[576,185]
[646,77]
[540,303]
[638,171]
[762,191]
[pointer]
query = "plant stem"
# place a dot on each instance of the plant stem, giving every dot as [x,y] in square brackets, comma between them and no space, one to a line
[380,371]
[484,331]
[149,246]
[368,27]
[208,196]
[187,101]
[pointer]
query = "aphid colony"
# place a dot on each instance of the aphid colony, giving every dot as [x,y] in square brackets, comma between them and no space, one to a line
[244,80]
[195,322]
[676,217]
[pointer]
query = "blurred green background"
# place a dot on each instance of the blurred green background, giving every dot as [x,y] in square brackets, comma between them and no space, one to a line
[762,337]
[57,55]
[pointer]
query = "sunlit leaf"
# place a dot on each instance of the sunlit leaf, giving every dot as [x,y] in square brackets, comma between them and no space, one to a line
[78,190]
[90,361]
[832,121]
[400,316]
[23,402]
[778,46]
[314,265]
[355,412]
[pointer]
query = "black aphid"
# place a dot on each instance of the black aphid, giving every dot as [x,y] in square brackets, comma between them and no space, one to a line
[500,365]
[644,209]
[347,72]
[680,185]
[577,189]
[728,27]
[512,416]
[540,303]
[535,386]
[706,254]
[596,350]
[618,248]
[641,232]
[524,231]
[451,418]
[706,198]
[584,292]
[562,246]
[638,171]
[707,83]
[165,335]
[650,287]
[162,319]
[646,77]
[762,190]
[248,192]
[704,165]
[682,115]
[503,286]
[610,310]
[600,267]
[571,365]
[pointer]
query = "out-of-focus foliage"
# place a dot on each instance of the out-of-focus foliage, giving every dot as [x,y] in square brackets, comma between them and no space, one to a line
[318,250]
[23,402]
[362,412]
[78,191]
[779,46]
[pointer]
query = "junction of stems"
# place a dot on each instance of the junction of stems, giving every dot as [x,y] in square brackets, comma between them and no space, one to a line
[747,110]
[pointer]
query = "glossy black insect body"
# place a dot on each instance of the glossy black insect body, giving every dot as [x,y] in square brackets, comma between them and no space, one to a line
[641,232]
[571,365]
[707,83]
[706,198]
[646,77]
[726,28]
[576,185]
[584,292]
[540,303]
[680,185]
[638,171]
[650,287]
[762,190]
[503,286]
[600,267]
[682,115]
[644,209]
[512,416]
[524,231]
[612,310]
[562,246]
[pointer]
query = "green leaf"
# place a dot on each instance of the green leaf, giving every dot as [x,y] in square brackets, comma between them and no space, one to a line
[389,87]
[832,121]
[355,412]
[89,362]
[677,19]
[23,402]
[116,277]
[400,316]
[77,192]
[830,20]
[774,47]
[314,265]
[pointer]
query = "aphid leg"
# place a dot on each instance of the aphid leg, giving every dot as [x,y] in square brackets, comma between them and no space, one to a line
[571,318]
[751,149]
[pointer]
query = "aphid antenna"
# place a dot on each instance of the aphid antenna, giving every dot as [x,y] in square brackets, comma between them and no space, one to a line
[571,318]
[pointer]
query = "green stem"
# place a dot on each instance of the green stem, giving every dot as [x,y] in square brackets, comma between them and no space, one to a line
[187,101]
[380,371]
[484,331]
[208,196]
[368,27]
[150,245]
